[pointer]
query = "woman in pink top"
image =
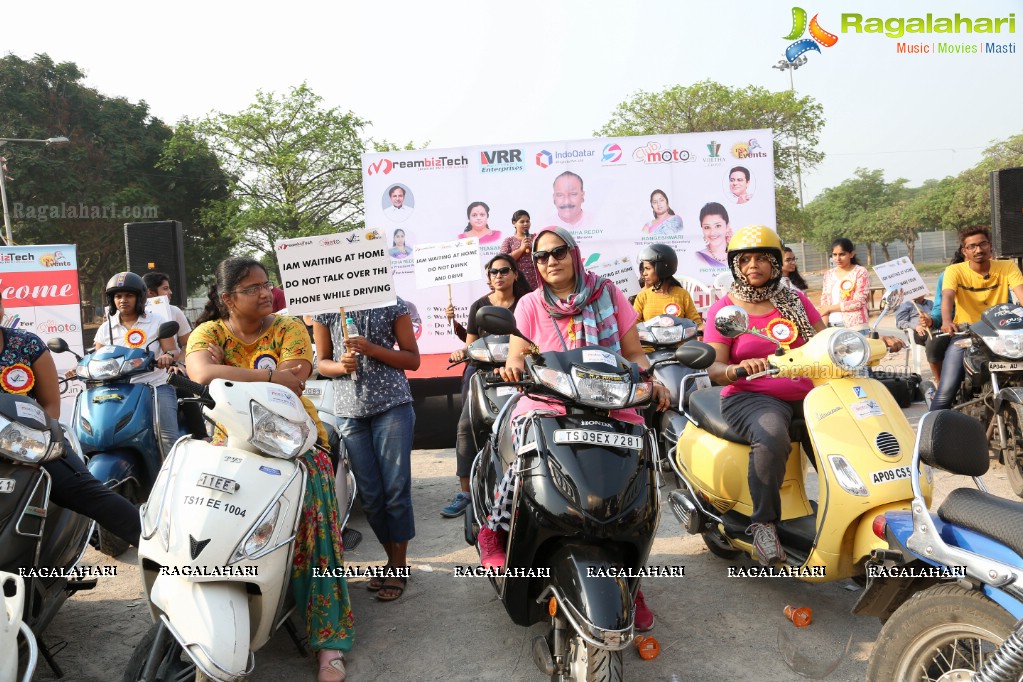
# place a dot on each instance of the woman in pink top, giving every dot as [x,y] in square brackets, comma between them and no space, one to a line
[846,287]
[573,308]
[478,226]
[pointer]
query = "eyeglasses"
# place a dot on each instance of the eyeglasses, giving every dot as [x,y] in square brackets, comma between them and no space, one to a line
[559,253]
[790,260]
[499,271]
[255,289]
[974,247]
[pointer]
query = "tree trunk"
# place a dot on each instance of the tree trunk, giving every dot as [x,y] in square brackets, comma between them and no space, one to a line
[884,250]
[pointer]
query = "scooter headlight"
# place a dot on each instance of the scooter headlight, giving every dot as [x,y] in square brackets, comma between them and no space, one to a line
[847,476]
[610,391]
[98,370]
[668,335]
[1006,344]
[554,379]
[253,546]
[23,443]
[276,436]
[849,350]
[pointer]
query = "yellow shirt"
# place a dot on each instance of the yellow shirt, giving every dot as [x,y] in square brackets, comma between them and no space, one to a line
[649,304]
[974,293]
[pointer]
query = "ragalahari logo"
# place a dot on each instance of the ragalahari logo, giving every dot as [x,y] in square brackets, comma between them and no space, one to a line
[382,166]
[544,158]
[612,153]
[818,36]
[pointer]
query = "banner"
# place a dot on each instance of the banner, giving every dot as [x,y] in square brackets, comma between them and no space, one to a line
[447,263]
[40,292]
[901,274]
[614,194]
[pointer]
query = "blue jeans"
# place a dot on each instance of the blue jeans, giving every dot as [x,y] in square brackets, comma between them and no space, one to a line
[167,403]
[952,373]
[380,450]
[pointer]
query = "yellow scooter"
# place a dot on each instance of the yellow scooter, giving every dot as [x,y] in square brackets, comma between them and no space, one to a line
[853,432]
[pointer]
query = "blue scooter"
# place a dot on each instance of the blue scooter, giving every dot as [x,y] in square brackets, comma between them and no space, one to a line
[118,422]
[950,586]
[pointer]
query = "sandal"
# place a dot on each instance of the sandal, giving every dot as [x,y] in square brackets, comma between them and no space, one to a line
[333,671]
[398,589]
[377,581]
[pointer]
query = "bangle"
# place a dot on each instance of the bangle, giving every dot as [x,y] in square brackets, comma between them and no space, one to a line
[730,367]
[270,376]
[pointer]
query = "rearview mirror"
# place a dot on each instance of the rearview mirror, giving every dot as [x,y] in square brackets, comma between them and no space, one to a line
[57,345]
[731,321]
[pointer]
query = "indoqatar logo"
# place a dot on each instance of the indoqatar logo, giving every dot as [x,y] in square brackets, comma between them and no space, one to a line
[544,158]
[652,152]
[612,153]
[818,36]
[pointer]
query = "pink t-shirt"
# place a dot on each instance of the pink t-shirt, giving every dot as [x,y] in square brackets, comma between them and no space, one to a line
[748,346]
[536,324]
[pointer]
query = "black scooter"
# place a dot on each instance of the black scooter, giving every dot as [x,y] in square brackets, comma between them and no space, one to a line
[585,503]
[38,539]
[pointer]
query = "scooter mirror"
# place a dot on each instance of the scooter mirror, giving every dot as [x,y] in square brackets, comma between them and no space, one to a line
[496,320]
[731,321]
[168,330]
[57,345]
[696,355]
[892,299]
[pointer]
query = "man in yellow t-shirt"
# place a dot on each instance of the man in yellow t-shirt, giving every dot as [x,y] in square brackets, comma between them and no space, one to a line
[970,288]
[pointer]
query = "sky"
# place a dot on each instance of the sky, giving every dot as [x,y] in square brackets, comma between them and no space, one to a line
[456,73]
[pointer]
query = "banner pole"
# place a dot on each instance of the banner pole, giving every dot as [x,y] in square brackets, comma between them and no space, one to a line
[344,327]
[451,303]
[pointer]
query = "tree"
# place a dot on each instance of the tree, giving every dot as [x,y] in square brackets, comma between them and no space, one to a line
[85,192]
[708,106]
[295,167]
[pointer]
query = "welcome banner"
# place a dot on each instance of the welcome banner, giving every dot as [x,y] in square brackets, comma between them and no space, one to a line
[614,194]
[40,292]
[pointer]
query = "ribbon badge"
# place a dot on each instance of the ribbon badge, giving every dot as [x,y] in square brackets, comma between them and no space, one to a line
[782,331]
[135,338]
[17,378]
[846,287]
[264,361]
[672,309]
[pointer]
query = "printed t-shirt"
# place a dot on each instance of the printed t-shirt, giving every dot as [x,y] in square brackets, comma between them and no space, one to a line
[974,293]
[650,304]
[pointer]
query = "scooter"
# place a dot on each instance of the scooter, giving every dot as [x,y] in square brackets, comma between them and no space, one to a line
[585,504]
[488,353]
[38,540]
[217,535]
[949,585]
[852,430]
[11,626]
[118,422]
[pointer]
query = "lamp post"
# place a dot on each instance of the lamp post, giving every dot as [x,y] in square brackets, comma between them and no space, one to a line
[50,141]
[786,65]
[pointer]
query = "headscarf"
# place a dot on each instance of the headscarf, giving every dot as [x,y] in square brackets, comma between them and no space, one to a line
[789,305]
[591,306]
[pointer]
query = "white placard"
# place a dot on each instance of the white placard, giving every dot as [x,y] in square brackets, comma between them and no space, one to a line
[447,263]
[349,270]
[901,274]
[622,272]
[161,306]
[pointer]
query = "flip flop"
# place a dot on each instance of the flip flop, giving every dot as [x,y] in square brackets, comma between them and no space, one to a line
[377,581]
[333,671]
[400,589]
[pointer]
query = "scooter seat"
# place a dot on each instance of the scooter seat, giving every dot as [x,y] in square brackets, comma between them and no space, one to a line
[705,406]
[992,516]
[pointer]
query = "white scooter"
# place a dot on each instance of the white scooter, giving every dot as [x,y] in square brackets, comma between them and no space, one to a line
[217,535]
[11,625]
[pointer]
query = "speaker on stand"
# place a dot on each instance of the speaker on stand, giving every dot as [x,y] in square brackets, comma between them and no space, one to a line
[158,247]
[1007,212]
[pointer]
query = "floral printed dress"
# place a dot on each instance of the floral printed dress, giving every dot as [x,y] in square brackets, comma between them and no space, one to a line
[329,620]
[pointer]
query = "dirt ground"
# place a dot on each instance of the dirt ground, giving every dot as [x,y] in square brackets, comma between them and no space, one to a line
[710,626]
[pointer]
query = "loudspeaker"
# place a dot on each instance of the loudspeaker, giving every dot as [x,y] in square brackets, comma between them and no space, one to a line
[1007,212]
[158,247]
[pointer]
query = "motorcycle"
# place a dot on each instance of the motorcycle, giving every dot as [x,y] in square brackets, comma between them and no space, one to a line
[948,585]
[118,422]
[40,541]
[11,625]
[585,503]
[852,431]
[237,507]
[992,388]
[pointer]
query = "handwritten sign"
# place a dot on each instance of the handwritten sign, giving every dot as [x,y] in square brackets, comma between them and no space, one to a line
[447,263]
[621,271]
[349,269]
[901,274]
[159,305]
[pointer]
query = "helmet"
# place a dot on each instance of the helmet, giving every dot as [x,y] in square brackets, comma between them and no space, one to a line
[663,259]
[754,238]
[127,282]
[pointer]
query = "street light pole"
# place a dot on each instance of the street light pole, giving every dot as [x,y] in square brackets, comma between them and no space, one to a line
[50,141]
[786,65]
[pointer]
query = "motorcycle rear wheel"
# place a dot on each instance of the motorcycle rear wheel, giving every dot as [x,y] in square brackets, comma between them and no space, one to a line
[110,544]
[939,630]
[1013,455]
[173,665]
[587,663]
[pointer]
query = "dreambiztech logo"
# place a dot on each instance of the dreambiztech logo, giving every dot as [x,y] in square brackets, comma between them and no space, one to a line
[818,36]
[382,166]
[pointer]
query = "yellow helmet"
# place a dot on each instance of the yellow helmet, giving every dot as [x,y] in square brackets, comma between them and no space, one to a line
[755,238]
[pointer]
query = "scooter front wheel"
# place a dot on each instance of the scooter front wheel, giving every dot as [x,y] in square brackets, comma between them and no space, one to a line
[170,663]
[587,663]
[1013,454]
[718,546]
[110,544]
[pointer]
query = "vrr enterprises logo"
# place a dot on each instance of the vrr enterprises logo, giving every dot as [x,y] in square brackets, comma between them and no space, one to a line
[652,153]
[501,161]
[747,150]
[382,166]
[544,158]
[612,153]
[818,36]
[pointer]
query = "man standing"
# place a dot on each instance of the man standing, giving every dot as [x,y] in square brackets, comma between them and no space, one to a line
[568,199]
[969,288]
[397,211]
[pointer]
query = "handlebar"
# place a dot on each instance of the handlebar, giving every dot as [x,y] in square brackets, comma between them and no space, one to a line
[189,386]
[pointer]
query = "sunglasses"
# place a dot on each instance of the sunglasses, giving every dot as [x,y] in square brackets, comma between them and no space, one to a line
[559,253]
[499,271]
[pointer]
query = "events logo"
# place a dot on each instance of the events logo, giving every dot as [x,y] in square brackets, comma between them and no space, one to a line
[612,153]
[748,150]
[54,260]
[818,36]
[501,161]
[544,158]
[652,153]
[382,166]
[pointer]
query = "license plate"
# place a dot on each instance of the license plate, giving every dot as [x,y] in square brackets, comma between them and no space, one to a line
[224,485]
[1005,366]
[615,440]
[7,484]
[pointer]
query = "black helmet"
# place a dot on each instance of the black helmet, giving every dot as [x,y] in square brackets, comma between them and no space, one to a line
[662,257]
[127,282]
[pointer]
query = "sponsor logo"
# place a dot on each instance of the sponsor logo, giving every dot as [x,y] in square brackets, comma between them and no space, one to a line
[354,238]
[612,153]
[652,152]
[330,242]
[714,149]
[382,166]
[429,163]
[860,391]
[17,257]
[501,161]
[294,244]
[53,327]
[54,260]
[11,321]
[544,158]
[745,150]
[818,36]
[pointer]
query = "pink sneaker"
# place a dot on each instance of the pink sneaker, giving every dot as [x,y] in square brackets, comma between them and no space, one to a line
[644,616]
[492,544]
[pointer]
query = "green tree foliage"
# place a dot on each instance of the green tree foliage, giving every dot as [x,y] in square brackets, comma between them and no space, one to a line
[295,167]
[76,194]
[708,106]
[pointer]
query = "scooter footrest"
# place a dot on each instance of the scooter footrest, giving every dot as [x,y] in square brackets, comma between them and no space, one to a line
[80,585]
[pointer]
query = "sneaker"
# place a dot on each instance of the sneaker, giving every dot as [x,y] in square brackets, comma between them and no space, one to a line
[766,543]
[930,395]
[492,544]
[457,505]
[644,616]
